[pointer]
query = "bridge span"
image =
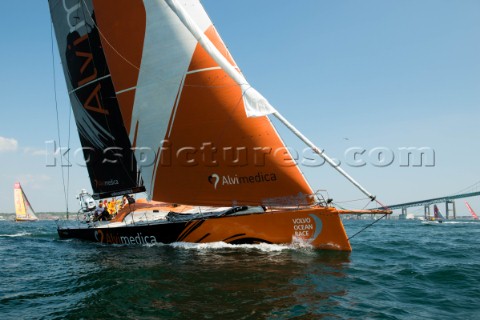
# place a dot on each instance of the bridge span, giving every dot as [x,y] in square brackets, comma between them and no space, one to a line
[448,200]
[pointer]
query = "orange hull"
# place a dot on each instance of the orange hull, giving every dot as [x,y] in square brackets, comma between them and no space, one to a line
[319,227]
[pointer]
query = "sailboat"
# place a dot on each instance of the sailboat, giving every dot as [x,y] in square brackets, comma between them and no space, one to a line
[437,216]
[23,209]
[162,108]
[474,215]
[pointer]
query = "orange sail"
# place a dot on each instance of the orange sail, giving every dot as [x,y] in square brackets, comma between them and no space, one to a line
[23,209]
[189,115]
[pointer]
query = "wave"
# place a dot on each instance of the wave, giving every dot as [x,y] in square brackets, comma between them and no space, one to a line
[461,222]
[21,234]
[264,247]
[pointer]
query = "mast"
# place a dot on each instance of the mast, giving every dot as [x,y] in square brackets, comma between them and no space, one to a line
[255,104]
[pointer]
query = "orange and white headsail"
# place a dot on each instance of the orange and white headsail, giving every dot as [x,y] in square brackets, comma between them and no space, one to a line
[23,209]
[186,116]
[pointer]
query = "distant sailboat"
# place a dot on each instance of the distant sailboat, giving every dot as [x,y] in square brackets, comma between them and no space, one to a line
[162,107]
[437,216]
[474,215]
[23,209]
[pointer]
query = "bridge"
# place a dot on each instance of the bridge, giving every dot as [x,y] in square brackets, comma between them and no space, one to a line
[448,200]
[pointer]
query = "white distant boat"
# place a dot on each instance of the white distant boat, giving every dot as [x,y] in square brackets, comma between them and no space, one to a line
[23,209]
[410,216]
[406,216]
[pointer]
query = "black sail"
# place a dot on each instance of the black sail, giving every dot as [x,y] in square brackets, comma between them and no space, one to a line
[111,164]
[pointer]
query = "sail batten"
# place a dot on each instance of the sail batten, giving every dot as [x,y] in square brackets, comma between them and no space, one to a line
[203,70]
[88,84]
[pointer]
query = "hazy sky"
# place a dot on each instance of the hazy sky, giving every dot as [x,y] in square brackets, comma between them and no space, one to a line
[349,74]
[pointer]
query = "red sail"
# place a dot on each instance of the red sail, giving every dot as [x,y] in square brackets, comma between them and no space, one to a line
[474,215]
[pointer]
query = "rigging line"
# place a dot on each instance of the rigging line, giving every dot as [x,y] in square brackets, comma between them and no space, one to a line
[58,120]
[382,205]
[364,207]
[68,154]
[338,205]
[356,200]
[368,226]
[469,187]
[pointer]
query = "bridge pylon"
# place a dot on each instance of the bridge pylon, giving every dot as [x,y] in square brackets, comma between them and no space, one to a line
[426,210]
[447,209]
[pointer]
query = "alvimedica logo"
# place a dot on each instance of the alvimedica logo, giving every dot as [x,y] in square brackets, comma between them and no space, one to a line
[228,180]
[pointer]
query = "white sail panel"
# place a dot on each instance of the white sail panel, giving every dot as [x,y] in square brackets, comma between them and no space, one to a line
[165,61]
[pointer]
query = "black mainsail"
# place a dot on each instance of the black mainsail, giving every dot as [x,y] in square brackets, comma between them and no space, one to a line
[107,150]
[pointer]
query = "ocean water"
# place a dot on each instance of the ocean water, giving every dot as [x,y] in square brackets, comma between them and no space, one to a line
[397,270]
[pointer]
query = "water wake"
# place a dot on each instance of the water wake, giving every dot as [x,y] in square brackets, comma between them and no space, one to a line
[21,234]
[264,247]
